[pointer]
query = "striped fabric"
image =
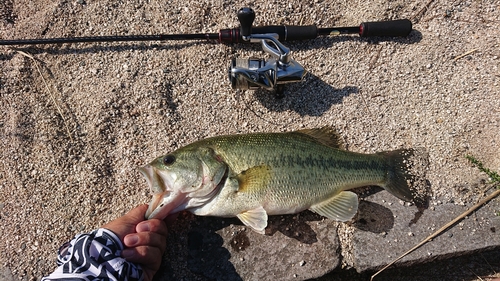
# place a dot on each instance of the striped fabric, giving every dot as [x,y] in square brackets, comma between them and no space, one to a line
[94,256]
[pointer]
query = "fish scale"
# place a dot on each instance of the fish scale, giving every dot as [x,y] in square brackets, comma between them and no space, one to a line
[320,163]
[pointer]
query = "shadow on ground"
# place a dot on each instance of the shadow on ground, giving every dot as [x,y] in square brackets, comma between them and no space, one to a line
[311,97]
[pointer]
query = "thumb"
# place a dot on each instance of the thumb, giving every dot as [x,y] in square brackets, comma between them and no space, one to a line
[137,214]
[126,224]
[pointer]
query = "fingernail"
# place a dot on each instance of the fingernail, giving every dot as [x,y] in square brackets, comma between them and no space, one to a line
[143,227]
[130,240]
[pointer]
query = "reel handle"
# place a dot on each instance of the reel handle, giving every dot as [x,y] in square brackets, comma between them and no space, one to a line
[246,16]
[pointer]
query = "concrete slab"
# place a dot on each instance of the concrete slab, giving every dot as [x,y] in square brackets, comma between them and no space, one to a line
[298,247]
[306,246]
[479,266]
[386,228]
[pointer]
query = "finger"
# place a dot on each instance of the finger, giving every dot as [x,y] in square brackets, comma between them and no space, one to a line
[137,214]
[151,239]
[152,225]
[127,223]
[147,256]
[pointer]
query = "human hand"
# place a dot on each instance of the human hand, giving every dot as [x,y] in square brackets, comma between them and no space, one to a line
[144,240]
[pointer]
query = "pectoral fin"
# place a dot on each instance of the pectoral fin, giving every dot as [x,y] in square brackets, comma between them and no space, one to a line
[254,178]
[255,218]
[341,207]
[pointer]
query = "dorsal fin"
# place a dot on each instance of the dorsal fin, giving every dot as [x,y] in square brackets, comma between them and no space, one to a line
[326,136]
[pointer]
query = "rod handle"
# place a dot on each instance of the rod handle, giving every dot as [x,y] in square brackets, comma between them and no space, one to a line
[289,32]
[386,28]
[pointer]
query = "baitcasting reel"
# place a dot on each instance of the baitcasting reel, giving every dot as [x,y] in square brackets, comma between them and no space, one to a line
[252,74]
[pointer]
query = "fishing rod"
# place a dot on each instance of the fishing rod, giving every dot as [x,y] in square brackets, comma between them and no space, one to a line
[253,73]
[392,28]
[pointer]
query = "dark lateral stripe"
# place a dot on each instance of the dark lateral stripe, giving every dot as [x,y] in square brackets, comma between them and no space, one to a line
[327,163]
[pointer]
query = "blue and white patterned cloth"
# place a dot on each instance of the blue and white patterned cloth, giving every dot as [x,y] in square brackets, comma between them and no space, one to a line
[94,256]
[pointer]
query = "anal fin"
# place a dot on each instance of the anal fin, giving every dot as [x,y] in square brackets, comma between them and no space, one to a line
[255,218]
[341,207]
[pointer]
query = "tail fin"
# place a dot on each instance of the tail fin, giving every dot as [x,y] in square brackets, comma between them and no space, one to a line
[406,171]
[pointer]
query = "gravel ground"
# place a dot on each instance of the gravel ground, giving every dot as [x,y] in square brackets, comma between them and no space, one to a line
[76,121]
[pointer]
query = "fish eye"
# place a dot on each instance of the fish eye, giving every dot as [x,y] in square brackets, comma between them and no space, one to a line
[169,159]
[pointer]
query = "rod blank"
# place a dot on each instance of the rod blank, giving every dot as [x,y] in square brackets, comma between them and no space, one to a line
[286,33]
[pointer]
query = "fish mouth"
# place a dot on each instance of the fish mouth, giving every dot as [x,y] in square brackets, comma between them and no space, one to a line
[168,200]
[163,201]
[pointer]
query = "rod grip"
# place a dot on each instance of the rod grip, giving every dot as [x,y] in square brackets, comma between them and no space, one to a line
[386,28]
[289,32]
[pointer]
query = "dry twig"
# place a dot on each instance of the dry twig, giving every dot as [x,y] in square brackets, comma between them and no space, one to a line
[465,54]
[422,11]
[48,91]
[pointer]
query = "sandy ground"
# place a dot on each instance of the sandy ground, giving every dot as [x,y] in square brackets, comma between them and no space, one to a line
[76,121]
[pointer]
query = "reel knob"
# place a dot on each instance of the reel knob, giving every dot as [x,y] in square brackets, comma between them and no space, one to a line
[246,16]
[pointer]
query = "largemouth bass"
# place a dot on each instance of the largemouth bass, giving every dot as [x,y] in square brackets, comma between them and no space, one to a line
[251,176]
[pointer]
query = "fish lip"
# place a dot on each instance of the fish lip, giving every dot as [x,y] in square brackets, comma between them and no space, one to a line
[156,210]
[155,184]
[153,205]
[149,173]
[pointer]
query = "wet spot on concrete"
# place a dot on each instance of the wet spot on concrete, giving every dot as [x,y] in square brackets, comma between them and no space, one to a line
[374,217]
[240,241]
